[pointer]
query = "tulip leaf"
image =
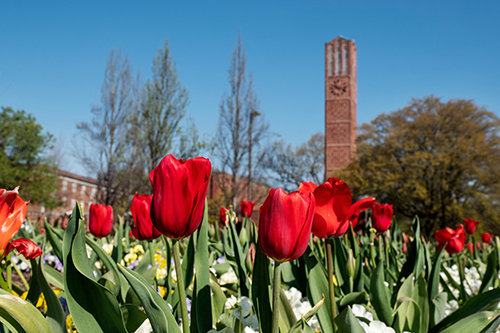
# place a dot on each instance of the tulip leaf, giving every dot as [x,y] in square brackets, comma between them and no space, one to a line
[357,297]
[53,276]
[379,296]
[317,285]
[93,307]
[54,239]
[55,316]
[218,300]
[110,264]
[240,267]
[491,272]
[438,306]
[134,316]
[435,274]
[202,303]
[421,298]
[484,321]
[347,322]
[188,261]
[21,316]
[260,290]
[156,308]
[287,317]
[117,253]
[482,302]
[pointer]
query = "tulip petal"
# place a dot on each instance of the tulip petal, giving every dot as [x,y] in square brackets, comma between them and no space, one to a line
[13,212]
[25,247]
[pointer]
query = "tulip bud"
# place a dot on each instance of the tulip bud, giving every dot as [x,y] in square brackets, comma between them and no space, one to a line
[243,237]
[250,260]
[211,230]
[405,248]
[351,263]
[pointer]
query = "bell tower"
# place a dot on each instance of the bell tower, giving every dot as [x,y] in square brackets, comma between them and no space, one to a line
[340,104]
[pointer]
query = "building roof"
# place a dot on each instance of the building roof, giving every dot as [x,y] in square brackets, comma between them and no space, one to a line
[67,174]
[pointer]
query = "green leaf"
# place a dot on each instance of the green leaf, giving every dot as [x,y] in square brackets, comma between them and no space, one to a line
[261,290]
[21,316]
[287,317]
[218,300]
[482,302]
[435,274]
[118,248]
[188,261]
[240,266]
[379,296]
[134,316]
[55,316]
[438,304]
[110,264]
[475,323]
[202,298]
[491,272]
[347,322]
[354,298]
[92,307]
[54,239]
[156,308]
[317,287]
[421,298]
[53,276]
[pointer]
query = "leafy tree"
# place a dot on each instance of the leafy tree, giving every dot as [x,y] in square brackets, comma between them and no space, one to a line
[241,126]
[23,158]
[288,166]
[438,160]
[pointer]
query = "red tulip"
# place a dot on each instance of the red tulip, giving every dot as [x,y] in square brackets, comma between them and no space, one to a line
[486,238]
[357,208]
[141,212]
[309,186]
[405,248]
[223,215]
[246,208]
[470,246]
[382,217]
[455,239]
[333,203]
[100,220]
[130,234]
[13,212]
[470,225]
[179,191]
[285,224]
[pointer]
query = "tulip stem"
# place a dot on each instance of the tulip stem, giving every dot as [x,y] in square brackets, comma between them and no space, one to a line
[23,280]
[153,261]
[276,297]
[331,287]
[180,286]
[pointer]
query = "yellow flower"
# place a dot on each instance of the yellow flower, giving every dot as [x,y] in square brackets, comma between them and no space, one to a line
[138,249]
[70,325]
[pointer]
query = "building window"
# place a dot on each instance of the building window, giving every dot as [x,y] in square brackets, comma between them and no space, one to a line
[73,187]
[65,185]
[82,191]
[42,209]
[83,204]
[65,203]
[92,193]
[73,203]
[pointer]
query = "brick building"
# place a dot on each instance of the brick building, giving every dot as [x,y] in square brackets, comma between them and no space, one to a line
[340,104]
[72,188]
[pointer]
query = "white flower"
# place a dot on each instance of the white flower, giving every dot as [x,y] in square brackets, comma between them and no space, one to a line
[231,302]
[145,327]
[243,309]
[379,327]
[360,311]
[224,330]
[229,277]
[108,248]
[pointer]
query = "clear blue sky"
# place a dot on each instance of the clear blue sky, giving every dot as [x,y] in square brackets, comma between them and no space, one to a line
[53,55]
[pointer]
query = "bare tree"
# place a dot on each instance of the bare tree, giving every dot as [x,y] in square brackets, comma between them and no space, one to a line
[239,129]
[106,132]
[162,107]
[288,166]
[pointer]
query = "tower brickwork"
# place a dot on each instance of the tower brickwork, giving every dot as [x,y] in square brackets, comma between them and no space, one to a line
[340,104]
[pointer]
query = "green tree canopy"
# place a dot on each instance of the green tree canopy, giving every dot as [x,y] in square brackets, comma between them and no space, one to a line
[438,160]
[23,158]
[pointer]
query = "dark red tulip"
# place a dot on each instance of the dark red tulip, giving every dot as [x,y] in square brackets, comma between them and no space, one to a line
[333,203]
[382,217]
[486,238]
[223,215]
[354,211]
[470,225]
[470,246]
[405,248]
[285,224]
[13,212]
[455,239]
[100,220]
[246,208]
[179,192]
[141,212]
[130,234]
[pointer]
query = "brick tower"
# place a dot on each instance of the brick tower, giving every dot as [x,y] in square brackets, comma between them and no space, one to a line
[340,104]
